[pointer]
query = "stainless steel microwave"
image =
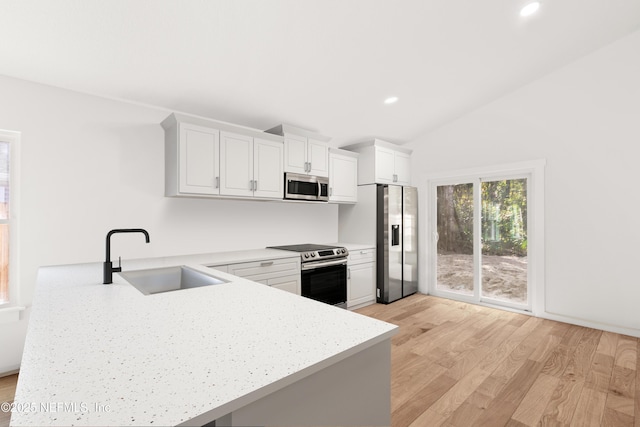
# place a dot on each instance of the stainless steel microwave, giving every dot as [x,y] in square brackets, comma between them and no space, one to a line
[306,187]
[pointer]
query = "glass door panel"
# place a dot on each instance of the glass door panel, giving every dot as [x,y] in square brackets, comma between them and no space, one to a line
[504,241]
[454,263]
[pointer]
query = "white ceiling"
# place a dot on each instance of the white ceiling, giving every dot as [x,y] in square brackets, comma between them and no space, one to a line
[325,65]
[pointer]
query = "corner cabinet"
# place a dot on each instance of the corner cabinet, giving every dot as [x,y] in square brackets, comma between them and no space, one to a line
[304,152]
[343,176]
[209,159]
[382,163]
[361,278]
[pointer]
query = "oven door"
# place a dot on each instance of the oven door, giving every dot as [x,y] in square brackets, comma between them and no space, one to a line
[326,281]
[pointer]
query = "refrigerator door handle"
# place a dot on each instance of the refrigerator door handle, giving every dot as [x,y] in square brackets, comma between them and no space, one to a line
[395,235]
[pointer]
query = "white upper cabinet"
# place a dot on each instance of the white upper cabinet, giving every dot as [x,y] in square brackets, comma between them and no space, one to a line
[199,160]
[236,164]
[343,176]
[295,154]
[250,167]
[192,159]
[268,168]
[384,165]
[318,155]
[402,167]
[304,152]
[207,159]
[381,162]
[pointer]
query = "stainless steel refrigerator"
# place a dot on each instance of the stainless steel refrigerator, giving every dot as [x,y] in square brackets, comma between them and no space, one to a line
[396,242]
[386,216]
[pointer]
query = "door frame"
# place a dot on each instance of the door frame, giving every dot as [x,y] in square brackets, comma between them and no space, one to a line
[534,172]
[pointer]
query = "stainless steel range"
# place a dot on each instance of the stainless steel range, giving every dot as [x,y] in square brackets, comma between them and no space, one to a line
[324,272]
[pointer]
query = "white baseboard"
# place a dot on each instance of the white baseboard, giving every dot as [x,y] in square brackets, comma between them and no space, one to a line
[590,324]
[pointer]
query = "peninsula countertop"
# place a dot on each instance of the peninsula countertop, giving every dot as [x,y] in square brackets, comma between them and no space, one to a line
[108,355]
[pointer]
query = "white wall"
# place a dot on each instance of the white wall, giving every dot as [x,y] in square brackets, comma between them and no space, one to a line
[89,165]
[585,120]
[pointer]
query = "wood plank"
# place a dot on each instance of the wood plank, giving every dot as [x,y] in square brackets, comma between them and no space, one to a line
[599,375]
[580,359]
[620,404]
[613,418]
[608,344]
[532,407]
[626,355]
[590,409]
[563,402]
[623,382]
[466,414]
[459,392]
[557,361]
[409,380]
[546,347]
[412,408]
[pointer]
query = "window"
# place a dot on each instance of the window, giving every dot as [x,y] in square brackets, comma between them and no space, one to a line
[7,217]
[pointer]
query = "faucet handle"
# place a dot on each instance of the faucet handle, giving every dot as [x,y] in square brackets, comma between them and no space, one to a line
[119,267]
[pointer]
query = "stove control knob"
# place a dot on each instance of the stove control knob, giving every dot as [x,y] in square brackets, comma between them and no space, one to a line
[343,250]
[306,255]
[313,254]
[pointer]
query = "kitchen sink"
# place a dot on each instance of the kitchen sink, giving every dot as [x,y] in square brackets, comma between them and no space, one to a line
[167,279]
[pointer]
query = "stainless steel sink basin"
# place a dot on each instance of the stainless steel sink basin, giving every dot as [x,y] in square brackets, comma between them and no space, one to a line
[167,279]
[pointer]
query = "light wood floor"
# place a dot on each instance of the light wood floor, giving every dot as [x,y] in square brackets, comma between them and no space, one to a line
[456,364]
[7,391]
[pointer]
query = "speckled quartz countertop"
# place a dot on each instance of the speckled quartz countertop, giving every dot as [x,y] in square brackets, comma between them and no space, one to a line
[107,355]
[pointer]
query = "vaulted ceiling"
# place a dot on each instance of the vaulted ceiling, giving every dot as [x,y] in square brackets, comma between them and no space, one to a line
[325,65]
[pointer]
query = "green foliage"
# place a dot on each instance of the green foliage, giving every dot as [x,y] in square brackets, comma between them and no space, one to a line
[504,218]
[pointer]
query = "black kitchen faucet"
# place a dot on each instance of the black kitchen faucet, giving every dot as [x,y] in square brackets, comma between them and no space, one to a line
[108,268]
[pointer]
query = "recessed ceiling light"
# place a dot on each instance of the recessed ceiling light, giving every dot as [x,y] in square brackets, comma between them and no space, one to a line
[391,100]
[530,8]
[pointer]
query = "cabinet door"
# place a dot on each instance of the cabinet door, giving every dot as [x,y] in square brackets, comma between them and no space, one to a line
[268,168]
[318,157]
[295,154]
[198,159]
[402,167]
[343,178]
[385,165]
[362,284]
[289,283]
[236,164]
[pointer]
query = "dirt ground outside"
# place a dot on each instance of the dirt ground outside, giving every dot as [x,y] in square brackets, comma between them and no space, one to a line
[503,277]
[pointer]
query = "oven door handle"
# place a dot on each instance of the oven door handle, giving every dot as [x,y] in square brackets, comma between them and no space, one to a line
[320,264]
[319,189]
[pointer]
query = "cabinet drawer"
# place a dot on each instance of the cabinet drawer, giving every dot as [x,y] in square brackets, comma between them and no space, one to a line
[267,269]
[362,256]
[224,268]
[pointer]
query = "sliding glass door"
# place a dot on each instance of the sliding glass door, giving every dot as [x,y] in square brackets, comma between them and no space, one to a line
[480,245]
[455,215]
[504,241]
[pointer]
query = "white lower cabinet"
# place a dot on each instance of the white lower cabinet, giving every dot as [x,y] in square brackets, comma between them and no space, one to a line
[361,278]
[286,283]
[281,273]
